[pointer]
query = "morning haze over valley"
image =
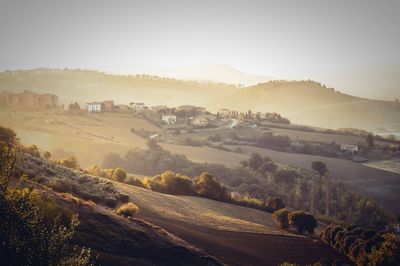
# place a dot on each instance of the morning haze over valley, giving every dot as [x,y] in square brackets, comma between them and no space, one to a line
[199,133]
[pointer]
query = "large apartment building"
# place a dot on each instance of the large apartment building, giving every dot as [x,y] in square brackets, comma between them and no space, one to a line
[28,99]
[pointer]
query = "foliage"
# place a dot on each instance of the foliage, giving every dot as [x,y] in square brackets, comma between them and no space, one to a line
[304,222]
[363,247]
[319,166]
[128,209]
[119,174]
[298,188]
[28,235]
[268,140]
[273,204]
[207,186]
[32,150]
[47,155]
[281,218]
[170,183]
[70,162]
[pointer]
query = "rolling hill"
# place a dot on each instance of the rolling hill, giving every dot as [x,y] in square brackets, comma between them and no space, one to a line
[303,102]
[231,234]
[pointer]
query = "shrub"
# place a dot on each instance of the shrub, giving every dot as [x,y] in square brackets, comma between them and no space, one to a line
[119,174]
[124,198]
[171,183]
[47,155]
[128,209]
[69,162]
[255,161]
[304,222]
[32,150]
[273,204]
[286,176]
[281,218]
[30,236]
[207,186]
[319,166]
[363,247]
[134,181]
[110,202]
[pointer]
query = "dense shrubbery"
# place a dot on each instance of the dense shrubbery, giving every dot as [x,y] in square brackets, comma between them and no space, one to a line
[118,173]
[261,178]
[281,218]
[128,210]
[29,232]
[302,221]
[268,140]
[320,167]
[31,150]
[364,247]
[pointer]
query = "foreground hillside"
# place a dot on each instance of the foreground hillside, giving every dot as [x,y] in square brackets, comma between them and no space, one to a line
[234,235]
[304,102]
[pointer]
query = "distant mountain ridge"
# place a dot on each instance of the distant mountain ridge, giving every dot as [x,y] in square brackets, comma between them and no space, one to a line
[305,102]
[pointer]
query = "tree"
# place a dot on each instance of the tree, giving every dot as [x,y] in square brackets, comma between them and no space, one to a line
[370,140]
[255,161]
[273,204]
[320,167]
[119,174]
[28,235]
[70,162]
[281,218]
[207,186]
[32,150]
[47,155]
[304,222]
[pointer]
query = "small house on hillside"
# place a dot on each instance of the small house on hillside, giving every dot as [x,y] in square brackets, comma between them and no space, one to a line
[95,107]
[169,119]
[351,148]
[137,106]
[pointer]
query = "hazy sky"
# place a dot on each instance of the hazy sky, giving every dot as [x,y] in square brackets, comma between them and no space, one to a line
[286,39]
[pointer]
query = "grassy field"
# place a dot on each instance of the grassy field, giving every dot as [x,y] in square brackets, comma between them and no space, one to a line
[91,137]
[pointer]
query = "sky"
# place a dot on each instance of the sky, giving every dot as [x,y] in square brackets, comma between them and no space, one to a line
[340,43]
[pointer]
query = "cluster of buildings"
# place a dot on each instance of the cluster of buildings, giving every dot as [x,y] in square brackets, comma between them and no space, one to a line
[28,99]
[98,107]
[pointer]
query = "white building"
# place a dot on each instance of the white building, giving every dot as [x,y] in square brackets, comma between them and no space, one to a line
[137,106]
[352,148]
[94,107]
[169,119]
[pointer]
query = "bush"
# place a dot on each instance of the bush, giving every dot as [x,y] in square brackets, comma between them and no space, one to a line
[286,176]
[134,181]
[255,161]
[273,204]
[110,202]
[69,162]
[281,218]
[304,222]
[207,186]
[319,166]
[171,183]
[119,174]
[32,150]
[47,155]
[128,210]
[29,235]
[363,247]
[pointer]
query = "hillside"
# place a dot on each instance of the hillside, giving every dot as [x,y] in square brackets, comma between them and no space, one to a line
[303,102]
[233,234]
[308,102]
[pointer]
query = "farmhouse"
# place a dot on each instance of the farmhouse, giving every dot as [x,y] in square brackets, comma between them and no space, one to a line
[95,107]
[169,119]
